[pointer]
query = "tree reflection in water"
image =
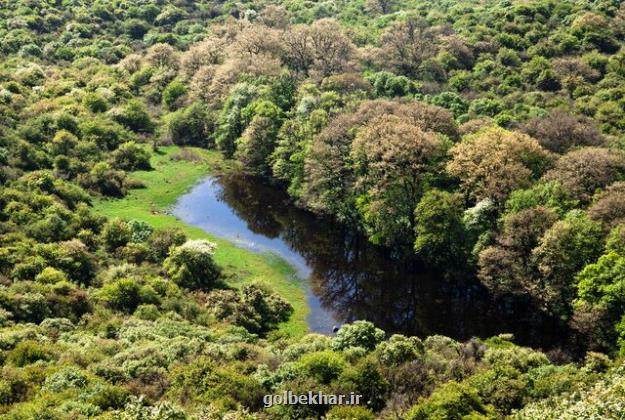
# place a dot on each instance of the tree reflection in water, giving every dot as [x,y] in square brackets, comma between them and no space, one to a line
[356,280]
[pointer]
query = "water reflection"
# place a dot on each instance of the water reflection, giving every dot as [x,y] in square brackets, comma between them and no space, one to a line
[351,279]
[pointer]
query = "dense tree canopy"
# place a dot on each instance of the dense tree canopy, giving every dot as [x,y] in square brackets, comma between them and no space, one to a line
[483,139]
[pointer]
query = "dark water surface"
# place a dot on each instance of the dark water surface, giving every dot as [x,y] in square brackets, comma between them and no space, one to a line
[347,278]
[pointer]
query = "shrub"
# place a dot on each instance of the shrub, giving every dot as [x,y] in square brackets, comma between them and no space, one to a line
[172,93]
[399,349]
[359,334]
[342,412]
[95,102]
[28,352]
[69,377]
[115,234]
[191,126]
[50,275]
[126,295]
[324,366]
[131,157]
[135,116]
[450,401]
[191,265]
[162,240]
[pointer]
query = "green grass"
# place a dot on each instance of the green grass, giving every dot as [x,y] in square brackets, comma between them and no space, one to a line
[164,184]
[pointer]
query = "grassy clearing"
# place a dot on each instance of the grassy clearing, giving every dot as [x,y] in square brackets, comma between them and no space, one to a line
[163,185]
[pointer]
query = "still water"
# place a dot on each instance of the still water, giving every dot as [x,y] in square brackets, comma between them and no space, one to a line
[347,278]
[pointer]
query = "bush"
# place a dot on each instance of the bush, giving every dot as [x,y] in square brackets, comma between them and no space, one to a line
[324,366]
[172,93]
[191,126]
[126,295]
[450,401]
[343,412]
[399,349]
[161,242]
[115,234]
[135,116]
[66,378]
[359,334]
[131,157]
[50,275]
[191,265]
[28,352]
[95,102]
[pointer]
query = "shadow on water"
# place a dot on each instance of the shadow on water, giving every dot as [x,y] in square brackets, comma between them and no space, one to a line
[351,279]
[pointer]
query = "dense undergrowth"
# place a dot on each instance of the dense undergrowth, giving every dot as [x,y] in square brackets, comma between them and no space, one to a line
[485,138]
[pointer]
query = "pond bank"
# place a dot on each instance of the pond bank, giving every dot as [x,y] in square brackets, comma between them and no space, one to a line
[171,178]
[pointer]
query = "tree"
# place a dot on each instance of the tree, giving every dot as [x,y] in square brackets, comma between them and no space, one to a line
[115,234]
[407,44]
[256,144]
[451,401]
[585,170]
[565,248]
[162,55]
[163,240]
[126,295]
[381,6]
[506,266]
[173,93]
[558,131]
[493,162]
[601,284]
[333,50]
[191,265]
[190,126]
[105,180]
[551,195]
[392,160]
[299,54]
[256,308]
[609,206]
[322,47]
[441,238]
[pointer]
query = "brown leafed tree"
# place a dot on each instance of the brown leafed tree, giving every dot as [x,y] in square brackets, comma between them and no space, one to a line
[407,44]
[494,162]
[506,266]
[584,170]
[609,207]
[558,131]
[162,55]
[392,157]
[299,54]
[273,16]
[254,40]
[208,52]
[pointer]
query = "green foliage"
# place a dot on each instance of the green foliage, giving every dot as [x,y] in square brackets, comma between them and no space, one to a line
[358,334]
[190,126]
[126,295]
[134,116]
[319,99]
[131,157]
[28,352]
[172,93]
[441,238]
[191,265]
[324,366]
[451,401]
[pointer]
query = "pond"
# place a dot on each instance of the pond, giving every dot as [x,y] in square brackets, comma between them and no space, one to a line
[347,278]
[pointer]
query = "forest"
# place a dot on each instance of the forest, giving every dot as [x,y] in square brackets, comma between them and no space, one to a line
[485,139]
